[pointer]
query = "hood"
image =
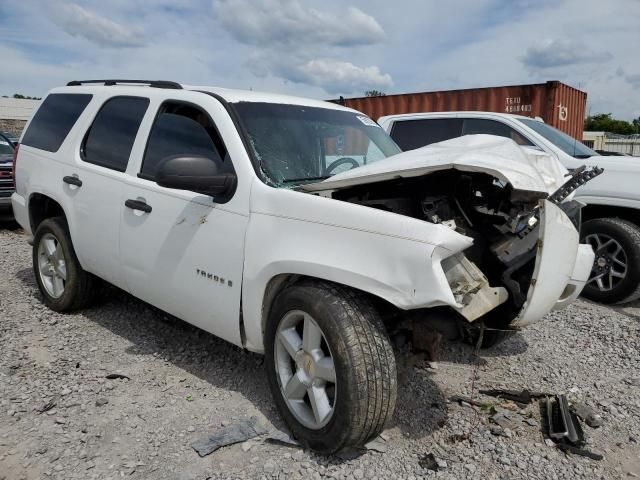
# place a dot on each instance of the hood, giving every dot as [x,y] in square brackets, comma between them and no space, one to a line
[523,168]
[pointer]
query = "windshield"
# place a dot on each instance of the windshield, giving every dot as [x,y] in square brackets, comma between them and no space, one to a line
[296,144]
[561,140]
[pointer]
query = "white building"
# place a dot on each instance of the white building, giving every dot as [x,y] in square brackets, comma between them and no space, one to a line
[14,113]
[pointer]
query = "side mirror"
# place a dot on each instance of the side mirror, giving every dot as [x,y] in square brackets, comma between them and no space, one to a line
[195,173]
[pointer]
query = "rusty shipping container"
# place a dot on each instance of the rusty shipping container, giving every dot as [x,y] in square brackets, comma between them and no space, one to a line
[560,105]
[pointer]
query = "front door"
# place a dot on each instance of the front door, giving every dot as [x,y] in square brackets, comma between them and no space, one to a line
[182,251]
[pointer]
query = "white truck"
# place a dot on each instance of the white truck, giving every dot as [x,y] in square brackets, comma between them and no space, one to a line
[611,218]
[225,208]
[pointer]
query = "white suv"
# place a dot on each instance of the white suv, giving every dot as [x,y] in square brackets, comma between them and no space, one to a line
[612,215]
[216,206]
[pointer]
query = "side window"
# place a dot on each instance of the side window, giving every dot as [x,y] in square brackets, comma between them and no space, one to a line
[110,138]
[474,126]
[54,119]
[412,134]
[183,129]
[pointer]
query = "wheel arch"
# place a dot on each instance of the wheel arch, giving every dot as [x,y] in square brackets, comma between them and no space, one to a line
[277,283]
[42,206]
[592,212]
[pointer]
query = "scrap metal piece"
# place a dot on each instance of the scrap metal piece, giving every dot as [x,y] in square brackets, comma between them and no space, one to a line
[567,448]
[237,433]
[563,424]
[579,177]
[519,396]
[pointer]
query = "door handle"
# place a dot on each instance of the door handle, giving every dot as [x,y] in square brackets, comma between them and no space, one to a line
[71,180]
[138,205]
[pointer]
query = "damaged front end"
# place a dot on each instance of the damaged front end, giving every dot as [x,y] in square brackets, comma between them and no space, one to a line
[525,258]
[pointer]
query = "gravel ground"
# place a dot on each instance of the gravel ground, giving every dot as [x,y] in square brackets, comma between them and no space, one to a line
[185,383]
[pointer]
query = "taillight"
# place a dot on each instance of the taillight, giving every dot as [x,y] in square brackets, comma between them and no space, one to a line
[15,158]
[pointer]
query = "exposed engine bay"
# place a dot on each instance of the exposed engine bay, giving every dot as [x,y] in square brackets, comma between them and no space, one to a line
[503,222]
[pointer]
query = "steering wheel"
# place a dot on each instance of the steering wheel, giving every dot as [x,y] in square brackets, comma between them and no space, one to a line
[342,161]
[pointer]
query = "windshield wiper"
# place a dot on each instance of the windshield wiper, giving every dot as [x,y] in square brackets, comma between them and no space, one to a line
[582,155]
[292,180]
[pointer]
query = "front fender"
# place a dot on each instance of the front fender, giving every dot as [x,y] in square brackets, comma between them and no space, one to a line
[391,256]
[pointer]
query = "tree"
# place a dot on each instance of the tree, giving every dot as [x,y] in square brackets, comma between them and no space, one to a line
[19,95]
[602,122]
[374,93]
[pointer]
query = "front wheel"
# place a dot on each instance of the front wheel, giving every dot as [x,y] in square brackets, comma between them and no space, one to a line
[330,366]
[615,276]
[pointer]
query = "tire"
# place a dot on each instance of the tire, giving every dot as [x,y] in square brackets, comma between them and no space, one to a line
[615,242]
[79,288]
[363,396]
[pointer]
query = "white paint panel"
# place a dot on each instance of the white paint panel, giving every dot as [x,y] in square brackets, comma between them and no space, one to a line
[391,256]
[555,263]
[524,169]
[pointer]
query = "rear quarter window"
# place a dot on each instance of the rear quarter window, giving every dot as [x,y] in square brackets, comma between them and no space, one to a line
[54,119]
[412,134]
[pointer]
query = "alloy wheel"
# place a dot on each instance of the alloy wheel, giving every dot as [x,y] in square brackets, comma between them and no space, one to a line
[305,369]
[51,265]
[610,264]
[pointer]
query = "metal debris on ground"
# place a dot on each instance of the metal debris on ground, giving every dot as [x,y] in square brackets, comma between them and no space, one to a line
[237,433]
[563,426]
[519,396]
[115,376]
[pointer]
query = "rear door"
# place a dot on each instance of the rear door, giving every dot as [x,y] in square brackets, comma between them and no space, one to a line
[94,184]
[183,251]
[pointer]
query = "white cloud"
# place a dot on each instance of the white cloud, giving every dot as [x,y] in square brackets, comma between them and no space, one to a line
[300,44]
[289,23]
[339,77]
[311,48]
[79,22]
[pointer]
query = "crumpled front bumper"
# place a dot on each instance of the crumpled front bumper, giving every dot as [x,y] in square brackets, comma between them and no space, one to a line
[562,266]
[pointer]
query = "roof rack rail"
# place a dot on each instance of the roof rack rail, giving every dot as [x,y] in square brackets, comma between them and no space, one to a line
[151,83]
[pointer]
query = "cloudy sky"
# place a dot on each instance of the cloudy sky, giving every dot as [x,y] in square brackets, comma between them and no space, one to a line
[329,48]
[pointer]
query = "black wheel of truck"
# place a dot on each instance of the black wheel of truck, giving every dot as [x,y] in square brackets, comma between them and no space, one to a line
[64,285]
[615,276]
[330,366]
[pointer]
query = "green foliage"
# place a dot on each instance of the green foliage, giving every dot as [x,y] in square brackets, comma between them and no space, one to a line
[602,122]
[374,93]
[19,95]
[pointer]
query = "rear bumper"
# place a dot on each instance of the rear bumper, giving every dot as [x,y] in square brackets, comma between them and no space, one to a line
[20,212]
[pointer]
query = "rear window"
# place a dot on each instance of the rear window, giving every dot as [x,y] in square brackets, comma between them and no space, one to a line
[110,138]
[412,134]
[54,119]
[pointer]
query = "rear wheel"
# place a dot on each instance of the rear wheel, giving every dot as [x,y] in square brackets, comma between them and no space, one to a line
[615,276]
[63,283]
[330,366]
